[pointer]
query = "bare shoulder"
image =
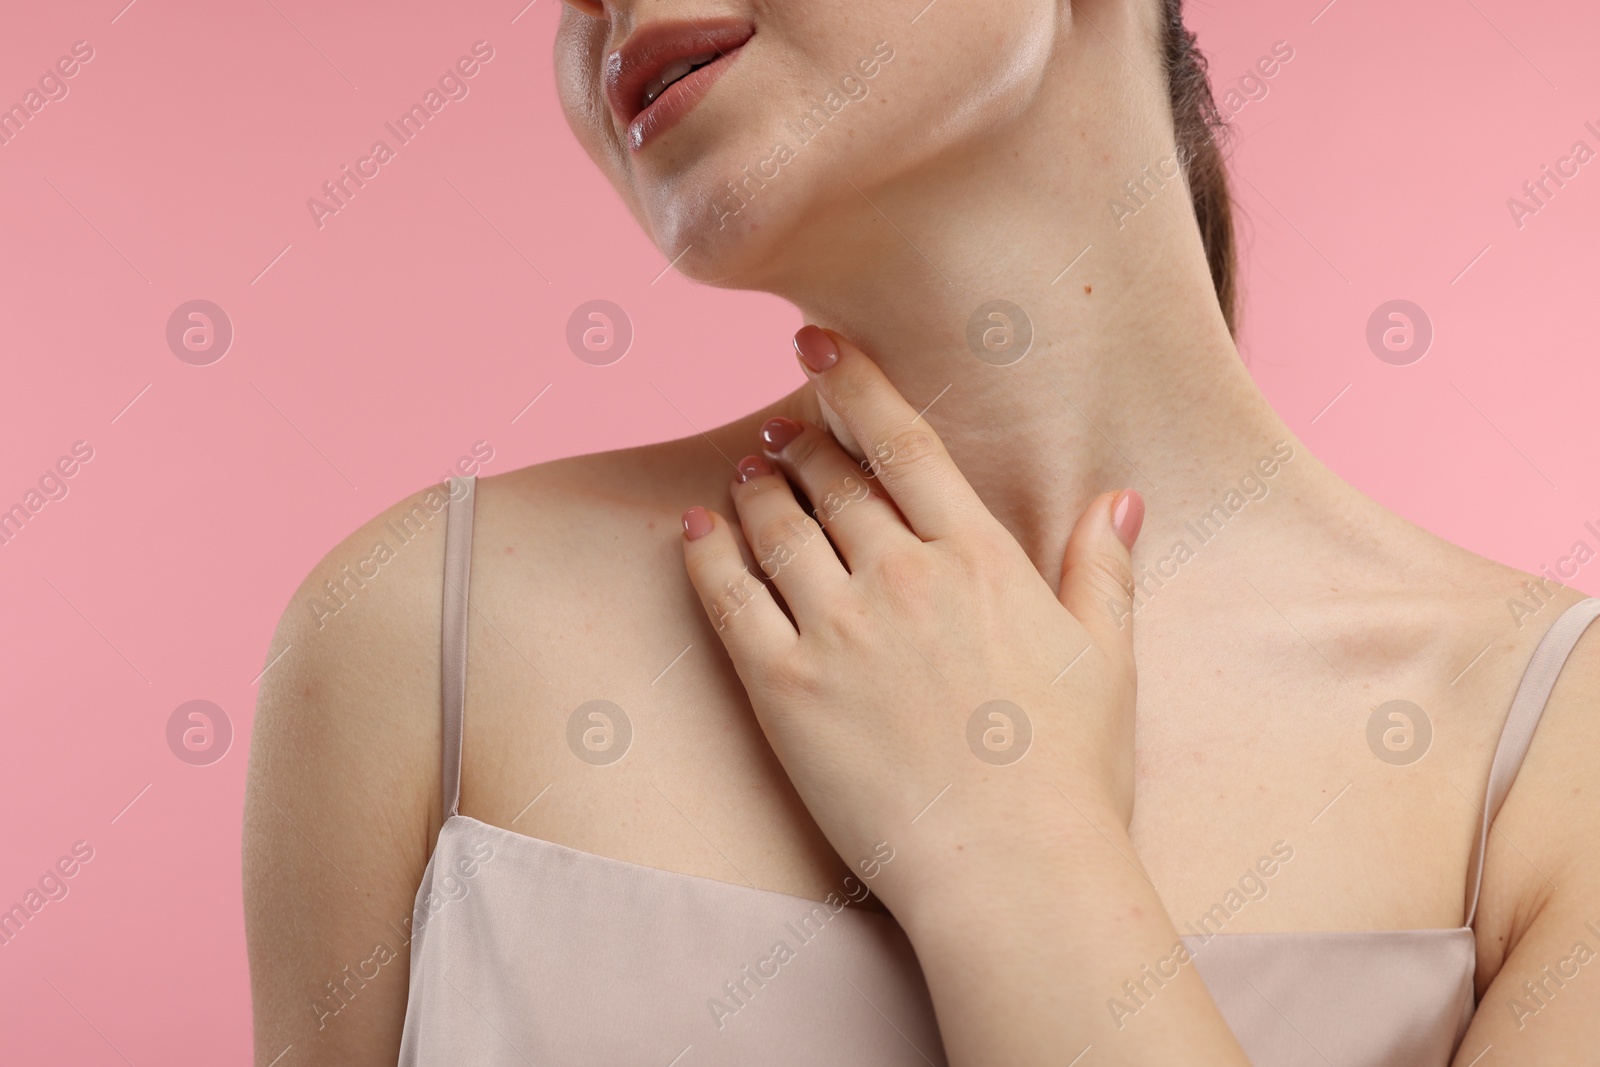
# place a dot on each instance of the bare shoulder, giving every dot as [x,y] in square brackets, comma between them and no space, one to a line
[1542,874]
[353,680]
[602,712]
[346,745]
[342,797]
[351,698]
[1391,600]
[596,535]
[343,801]
[578,593]
[1541,870]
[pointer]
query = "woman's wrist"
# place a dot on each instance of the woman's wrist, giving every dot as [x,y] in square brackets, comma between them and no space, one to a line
[1026,945]
[1059,845]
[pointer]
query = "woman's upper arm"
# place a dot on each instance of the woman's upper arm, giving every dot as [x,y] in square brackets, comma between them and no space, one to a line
[1542,888]
[342,801]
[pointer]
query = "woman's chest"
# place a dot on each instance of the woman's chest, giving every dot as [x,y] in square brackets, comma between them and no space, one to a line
[1260,805]
[1293,794]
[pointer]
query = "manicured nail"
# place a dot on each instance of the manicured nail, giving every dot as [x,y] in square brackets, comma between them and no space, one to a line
[753,467]
[1127,515]
[778,432]
[815,348]
[696,523]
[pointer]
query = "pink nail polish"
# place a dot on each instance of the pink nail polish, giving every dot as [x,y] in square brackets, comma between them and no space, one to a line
[753,467]
[779,432]
[696,523]
[815,348]
[1127,516]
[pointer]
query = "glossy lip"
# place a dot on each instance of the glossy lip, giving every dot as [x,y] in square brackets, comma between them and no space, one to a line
[651,50]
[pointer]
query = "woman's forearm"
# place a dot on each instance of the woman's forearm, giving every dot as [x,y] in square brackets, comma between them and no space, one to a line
[1028,945]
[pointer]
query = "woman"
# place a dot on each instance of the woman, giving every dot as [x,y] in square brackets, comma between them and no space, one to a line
[695,773]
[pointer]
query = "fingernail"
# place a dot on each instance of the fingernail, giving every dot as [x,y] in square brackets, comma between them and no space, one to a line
[1127,515]
[753,467]
[778,432]
[696,523]
[815,348]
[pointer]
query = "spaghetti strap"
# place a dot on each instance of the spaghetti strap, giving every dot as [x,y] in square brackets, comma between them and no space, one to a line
[1526,708]
[453,658]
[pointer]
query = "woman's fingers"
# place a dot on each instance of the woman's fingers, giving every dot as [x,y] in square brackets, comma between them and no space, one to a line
[858,517]
[905,453]
[740,607]
[789,547]
[1097,573]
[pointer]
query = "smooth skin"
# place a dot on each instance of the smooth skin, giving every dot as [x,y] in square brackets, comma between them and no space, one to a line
[917,611]
[918,606]
[980,163]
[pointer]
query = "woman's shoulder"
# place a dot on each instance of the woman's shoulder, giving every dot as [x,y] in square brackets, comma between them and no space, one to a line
[364,605]
[380,581]
[593,530]
[357,648]
[1542,865]
[343,799]
[347,709]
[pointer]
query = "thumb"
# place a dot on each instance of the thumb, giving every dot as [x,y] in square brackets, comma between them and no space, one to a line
[1097,575]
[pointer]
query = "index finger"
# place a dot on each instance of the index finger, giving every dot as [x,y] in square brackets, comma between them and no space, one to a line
[902,449]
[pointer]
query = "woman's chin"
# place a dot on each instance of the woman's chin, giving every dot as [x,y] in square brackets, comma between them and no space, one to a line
[743,251]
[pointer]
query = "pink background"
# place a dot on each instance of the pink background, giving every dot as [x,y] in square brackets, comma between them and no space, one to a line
[370,354]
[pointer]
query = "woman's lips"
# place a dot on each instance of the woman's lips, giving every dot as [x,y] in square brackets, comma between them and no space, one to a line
[676,101]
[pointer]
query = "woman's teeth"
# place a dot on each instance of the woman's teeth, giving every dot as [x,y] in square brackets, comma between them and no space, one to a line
[672,73]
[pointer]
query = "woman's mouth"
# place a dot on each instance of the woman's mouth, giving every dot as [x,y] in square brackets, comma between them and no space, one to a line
[664,70]
[673,73]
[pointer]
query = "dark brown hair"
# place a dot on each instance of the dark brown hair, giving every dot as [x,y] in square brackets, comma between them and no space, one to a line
[1200,130]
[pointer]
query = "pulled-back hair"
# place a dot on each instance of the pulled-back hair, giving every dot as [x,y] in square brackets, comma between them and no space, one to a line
[1200,126]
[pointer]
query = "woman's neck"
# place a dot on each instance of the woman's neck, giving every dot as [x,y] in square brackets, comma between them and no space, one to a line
[1131,379]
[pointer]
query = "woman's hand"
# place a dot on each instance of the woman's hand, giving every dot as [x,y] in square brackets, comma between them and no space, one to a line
[938,706]
[928,674]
